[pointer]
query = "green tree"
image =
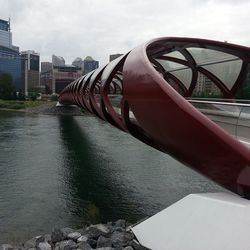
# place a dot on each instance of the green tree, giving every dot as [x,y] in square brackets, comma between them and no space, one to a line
[54,97]
[6,88]
[20,95]
[33,96]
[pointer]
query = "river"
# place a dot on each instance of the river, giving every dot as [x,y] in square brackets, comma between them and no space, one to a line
[71,170]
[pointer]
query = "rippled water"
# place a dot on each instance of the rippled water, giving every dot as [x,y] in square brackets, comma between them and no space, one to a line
[67,171]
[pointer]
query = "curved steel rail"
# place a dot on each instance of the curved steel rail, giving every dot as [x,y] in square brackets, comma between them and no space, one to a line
[149,91]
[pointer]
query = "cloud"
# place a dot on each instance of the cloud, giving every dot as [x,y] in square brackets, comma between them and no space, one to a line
[99,28]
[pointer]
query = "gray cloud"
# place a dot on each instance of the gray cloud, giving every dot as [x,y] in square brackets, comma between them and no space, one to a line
[99,28]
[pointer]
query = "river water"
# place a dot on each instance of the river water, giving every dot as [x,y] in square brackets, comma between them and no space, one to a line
[68,171]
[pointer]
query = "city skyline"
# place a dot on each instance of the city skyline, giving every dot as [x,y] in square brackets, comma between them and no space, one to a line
[102,28]
[24,67]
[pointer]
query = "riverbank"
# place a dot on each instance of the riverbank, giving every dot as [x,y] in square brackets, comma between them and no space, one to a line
[111,236]
[20,105]
[39,107]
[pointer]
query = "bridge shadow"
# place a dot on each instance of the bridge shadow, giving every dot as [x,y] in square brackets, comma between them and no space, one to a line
[93,194]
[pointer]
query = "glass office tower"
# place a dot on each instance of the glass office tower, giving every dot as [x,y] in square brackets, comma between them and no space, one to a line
[10,59]
[10,63]
[5,34]
[89,64]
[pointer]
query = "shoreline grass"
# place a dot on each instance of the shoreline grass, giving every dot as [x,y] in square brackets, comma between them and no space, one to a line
[18,105]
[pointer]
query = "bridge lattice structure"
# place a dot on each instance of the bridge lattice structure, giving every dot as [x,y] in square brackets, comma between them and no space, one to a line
[173,94]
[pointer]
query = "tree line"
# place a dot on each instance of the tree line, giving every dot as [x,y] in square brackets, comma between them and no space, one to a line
[7,90]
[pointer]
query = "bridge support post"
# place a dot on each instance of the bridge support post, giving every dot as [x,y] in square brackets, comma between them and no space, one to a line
[215,221]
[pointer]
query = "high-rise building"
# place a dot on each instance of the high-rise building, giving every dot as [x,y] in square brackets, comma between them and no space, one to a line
[10,63]
[78,62]
[5,34]
[31,65]
[46,66]
[114,56]
[10,59]
[205,87]
[64,75]
[89,64]
[46,76]
[58,61]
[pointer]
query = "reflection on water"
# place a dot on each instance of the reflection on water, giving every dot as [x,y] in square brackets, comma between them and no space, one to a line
[67,171]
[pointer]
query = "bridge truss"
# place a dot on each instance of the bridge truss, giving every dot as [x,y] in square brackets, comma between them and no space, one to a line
[186,97]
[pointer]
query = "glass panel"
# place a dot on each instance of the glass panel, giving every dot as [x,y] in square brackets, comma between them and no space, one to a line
[244,90]
[176,86]
[227,72]
[224,115]
[224,66]
[204,56]
[243,128]
[170,66]
[181,72]
[206,88]
[175,54]
[185,76]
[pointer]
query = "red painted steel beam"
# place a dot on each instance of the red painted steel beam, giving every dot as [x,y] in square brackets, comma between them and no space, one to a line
[150,109]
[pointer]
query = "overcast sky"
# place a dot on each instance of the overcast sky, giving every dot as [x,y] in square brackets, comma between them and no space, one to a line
[79,28]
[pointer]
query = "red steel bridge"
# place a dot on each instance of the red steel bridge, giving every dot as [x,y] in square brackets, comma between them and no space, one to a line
[187,97]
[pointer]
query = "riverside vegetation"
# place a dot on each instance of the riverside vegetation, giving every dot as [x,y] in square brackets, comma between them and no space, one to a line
[40,107]
[17,105]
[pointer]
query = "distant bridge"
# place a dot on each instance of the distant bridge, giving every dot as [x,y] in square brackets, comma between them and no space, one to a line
[183,96]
